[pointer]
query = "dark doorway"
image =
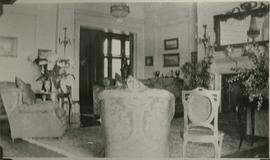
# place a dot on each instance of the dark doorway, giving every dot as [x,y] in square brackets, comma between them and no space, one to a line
[230,94]
[91,70]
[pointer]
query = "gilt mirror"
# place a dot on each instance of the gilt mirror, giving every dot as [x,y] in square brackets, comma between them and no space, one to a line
[247,23]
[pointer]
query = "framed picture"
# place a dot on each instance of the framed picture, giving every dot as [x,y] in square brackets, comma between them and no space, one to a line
[8,46]
[171,60]
[149,60]
[194,57]
[170,44]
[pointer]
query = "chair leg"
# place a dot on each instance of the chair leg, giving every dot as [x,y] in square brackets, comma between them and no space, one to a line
[216,149]
[220,146]
[184,149]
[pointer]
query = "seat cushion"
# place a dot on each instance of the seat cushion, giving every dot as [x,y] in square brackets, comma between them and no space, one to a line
[40,107]
[197,132]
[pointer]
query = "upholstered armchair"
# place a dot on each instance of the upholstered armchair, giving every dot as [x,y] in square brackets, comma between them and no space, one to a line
[137,122]
[41,119]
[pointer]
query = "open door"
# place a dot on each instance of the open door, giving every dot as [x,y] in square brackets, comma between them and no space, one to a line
[91,70]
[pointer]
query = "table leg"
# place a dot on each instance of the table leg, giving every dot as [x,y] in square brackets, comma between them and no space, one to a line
[240,112]
[69,108]
[252,124]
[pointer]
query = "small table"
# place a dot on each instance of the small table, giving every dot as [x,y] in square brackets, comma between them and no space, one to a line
[56,96]
[243,110]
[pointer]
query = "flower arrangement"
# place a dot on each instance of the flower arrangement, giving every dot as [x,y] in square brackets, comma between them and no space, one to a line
[58,71]
[253,81]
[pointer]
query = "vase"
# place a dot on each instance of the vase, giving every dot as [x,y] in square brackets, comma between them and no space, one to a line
[47,86]
[177,73]
[53,96]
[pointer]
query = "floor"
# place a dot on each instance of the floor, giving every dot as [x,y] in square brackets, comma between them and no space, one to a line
[261,151]
[21,148]
[24,149]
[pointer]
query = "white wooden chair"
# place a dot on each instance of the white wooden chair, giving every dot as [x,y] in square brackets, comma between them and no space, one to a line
[201,118]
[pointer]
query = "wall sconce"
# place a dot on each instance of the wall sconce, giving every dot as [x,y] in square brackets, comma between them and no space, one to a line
[65,41]
[205,40]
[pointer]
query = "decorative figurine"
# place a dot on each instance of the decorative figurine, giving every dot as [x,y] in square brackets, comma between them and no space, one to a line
[157,74]
[125,68]
[177,73]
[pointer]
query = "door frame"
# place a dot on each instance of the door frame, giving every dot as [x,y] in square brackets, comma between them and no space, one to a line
[97,23]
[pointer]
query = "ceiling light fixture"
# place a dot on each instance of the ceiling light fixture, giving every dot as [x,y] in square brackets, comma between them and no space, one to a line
[119,10]
[2,2]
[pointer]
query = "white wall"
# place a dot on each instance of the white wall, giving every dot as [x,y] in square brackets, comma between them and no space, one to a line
[33,26]
[166,21]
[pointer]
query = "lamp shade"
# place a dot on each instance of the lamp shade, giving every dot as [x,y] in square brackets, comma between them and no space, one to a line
[119,10]
[253,31]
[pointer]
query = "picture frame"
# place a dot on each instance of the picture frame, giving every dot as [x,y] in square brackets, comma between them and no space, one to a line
[149,61]
[171,60]
[170,44]
[8,46]
[194,57]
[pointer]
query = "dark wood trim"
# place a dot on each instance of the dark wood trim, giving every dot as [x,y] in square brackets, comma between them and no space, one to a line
[109,56]
[7,1]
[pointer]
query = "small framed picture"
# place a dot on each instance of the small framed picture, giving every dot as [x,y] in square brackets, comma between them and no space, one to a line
[149,61]
[171,60]
[8,46]
[170,44]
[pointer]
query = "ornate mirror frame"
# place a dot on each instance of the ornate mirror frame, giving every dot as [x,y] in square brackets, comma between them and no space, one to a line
[239,13]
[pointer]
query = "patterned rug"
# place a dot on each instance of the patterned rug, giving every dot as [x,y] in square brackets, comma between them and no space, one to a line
[89,141]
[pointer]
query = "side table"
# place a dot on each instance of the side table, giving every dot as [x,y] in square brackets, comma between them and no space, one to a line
[244,109]
[56,96]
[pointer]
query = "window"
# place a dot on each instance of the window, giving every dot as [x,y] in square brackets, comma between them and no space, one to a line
[116,46]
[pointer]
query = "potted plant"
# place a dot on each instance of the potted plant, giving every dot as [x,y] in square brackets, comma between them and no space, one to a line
[57,72]
[197,74]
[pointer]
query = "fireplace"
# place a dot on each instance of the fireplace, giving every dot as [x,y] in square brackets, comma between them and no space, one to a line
[230,94]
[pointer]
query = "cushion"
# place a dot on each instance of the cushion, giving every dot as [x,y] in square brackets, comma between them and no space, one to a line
[28,95]
[119,81]
[134,84]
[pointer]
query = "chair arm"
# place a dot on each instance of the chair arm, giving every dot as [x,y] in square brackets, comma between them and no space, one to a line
[12,98]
